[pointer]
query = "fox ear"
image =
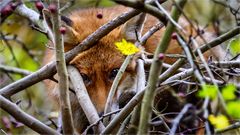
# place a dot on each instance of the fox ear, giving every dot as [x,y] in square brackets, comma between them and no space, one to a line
[70,36]
[132,29]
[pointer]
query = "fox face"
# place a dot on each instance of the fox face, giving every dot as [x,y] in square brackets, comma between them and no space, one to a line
[99,65]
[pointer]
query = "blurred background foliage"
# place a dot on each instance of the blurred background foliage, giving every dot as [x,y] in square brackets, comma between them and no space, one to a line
[28,51]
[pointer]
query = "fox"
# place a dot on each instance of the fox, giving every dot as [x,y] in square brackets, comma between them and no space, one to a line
[99,65]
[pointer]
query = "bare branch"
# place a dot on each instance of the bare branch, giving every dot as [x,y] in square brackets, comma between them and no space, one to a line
[84,99]
[14,70]
[66,112]
[155,70]
[226,64]
[116,81]
[25,118]
[34,17]
[176,121]
[141,82]
[124,113]
[217,41]
[144,7]
[231,127]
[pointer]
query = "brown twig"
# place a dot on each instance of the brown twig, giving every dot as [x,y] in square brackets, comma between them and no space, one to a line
[99,120]
[67,121]
[14,70]
[144,7]
[176,121]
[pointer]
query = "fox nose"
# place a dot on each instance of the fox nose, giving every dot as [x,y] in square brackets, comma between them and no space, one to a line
[125,97]
[100,114]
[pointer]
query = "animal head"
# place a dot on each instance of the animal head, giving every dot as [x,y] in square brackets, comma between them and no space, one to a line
[99,65]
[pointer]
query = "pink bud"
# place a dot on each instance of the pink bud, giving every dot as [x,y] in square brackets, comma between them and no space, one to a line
[53,8]
[7,10]
[174,35]
[99,16]
[39,5]
[161,56]
[62,30]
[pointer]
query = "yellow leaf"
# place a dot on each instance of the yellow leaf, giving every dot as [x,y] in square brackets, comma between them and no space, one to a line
[126,48]
[219,122]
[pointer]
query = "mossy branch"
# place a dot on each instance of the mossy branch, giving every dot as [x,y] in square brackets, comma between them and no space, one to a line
[67,121]
[155,71]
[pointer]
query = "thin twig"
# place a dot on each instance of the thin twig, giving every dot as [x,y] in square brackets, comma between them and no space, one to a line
[167,15]
[122,129]
[116,81]
[99,120]
[14,70]
[141,82]
[231,127]
[34,17]
[123,113]
[191,58]
[226,64]
[220,97]
[177,120]
[170,71]
[10,49]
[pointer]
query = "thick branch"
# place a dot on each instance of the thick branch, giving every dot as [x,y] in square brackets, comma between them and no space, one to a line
[67,121]
[25,118]
[84,99]
[144,7]
[34,17]
[155,71]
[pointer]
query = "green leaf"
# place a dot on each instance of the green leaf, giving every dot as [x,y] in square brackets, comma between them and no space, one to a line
[228,92]
[208,91]
[235,46]
[219,122]
[233,109]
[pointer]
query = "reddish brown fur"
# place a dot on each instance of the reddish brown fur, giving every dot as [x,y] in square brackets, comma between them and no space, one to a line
[100,60]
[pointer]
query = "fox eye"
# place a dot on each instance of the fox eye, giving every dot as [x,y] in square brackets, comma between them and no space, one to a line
[86,79]
[113,73]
